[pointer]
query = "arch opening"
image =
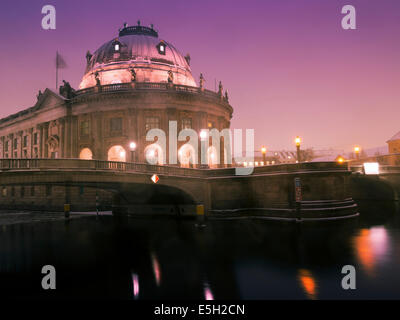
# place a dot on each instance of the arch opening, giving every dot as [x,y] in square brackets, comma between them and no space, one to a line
[86,154]
[117,153]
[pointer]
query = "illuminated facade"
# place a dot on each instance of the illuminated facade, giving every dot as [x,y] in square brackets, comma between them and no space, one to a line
[133,83]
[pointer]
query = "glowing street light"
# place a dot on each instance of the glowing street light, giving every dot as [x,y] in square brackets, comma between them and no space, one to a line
[264,153]
[340,159]
[357,151]
[132,147]
[203,134]
[298,142]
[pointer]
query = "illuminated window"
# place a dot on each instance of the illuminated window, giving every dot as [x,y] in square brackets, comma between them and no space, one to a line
[152,123]
[85,128]
[4,192]
[210,124]
[116,47]
[116,124]
[186,123]
[161,47]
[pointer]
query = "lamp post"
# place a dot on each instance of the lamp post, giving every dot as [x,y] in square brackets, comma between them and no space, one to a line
[298,141]
[264,153]
[132,146]
[357,152]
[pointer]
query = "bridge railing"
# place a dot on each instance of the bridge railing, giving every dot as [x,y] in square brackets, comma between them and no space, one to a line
[77,164]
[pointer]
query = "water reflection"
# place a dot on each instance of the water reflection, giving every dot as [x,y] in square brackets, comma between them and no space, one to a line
[235,259]
[156,268]
[372,246]
[308,283]
[135,284]
[208,295]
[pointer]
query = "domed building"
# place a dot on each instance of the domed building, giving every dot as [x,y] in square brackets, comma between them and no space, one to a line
[133,83]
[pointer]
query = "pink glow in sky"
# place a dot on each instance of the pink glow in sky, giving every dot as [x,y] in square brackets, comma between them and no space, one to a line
[289,67]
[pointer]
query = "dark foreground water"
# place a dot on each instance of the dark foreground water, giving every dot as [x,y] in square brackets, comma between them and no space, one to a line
[167,258]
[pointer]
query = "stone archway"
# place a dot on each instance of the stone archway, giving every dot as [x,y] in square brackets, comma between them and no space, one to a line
[154,154]
[116,153]
[86,154]
[186,155]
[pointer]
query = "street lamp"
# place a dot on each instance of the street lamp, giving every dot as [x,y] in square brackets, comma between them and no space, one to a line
[132,146]
[357,152]
[298,141]
[264,153]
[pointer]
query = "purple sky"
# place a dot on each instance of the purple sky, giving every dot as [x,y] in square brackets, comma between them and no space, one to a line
[289,67]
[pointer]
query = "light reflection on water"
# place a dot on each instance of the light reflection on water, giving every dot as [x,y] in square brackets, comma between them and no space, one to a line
[165,258]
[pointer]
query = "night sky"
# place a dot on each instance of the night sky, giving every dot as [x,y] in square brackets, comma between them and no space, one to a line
[289,67]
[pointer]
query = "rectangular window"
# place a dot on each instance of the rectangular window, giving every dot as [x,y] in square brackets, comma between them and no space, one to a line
[85,128]
[12,191]
[4,192]
[116,124]
[35,139]
[22,191]
[15,143]
[81,191]
[210,124]
[25,154]
[186,123]
[152,123]
[25,141]
[15,155]
[32,191]
[7,145]
[36,152]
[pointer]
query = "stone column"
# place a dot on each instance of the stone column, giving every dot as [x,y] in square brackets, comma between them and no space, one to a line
[31,146]
[201,117]
[2,139]
[45,137]
[62,137]
[171,116]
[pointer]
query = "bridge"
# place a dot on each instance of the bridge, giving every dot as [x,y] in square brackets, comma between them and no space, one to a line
[269,192]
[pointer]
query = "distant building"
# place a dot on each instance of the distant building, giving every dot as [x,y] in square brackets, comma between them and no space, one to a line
[394,144]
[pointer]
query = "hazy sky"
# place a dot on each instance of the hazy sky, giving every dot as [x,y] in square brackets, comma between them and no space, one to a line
[289,67]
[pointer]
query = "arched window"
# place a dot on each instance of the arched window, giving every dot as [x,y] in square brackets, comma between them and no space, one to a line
[86,154]
[186,155]
[117,153]
[212,157]
[154,154]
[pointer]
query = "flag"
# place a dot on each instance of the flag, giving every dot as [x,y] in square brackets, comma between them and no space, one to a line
[60,62]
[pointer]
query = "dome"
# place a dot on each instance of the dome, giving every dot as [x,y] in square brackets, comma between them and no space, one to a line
[140,49]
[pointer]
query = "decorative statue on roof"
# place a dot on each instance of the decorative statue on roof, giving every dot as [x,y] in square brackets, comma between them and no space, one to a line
[96,76]
[170,76]
[201,82]
[88,56]
[133,73]
[220,88]
[66,90]
[39,95]
[226,96]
